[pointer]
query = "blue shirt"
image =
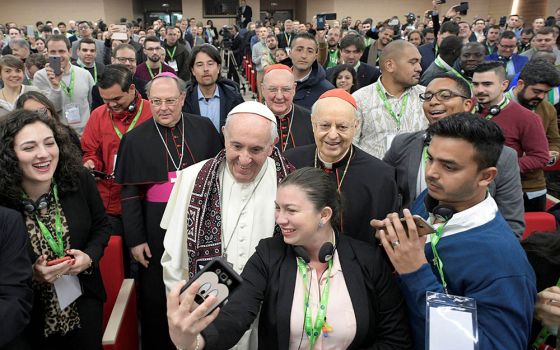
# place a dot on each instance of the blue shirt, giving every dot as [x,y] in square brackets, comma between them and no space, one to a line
[210,108]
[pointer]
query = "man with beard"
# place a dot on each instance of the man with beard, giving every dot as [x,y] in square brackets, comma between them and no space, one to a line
[153,65]
[333,53]
[208,94]
[447,94]
[293,121]
[285,37]
[272,45]
[392,104]
[373,55]
[492,37]
[522,128]
[537,78]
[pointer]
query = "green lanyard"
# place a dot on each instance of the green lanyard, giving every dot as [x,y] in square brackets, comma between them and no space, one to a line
[437,260]
[388,107]
[441,64]
[68,90]
[94,70]
[313,332]
[57,245]
[131,126]
[160,68]
[544,333]
[501,106]
[489,49]
[171,54]
[333,58]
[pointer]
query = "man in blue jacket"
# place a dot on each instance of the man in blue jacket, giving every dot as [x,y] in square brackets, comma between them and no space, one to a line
[470,255]
[505,53]
[309,75]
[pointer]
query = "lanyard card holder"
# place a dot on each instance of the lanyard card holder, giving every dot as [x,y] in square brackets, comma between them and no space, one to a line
[451,322]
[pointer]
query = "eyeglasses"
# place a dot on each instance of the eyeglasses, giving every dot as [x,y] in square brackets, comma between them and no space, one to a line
[125,59]
[153,48]
[168,101]
[441,95]
[275,90]
[341,128]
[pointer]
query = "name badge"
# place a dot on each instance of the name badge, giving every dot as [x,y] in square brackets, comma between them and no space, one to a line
[451,322]
[173,64]
[72,113]
[67,289]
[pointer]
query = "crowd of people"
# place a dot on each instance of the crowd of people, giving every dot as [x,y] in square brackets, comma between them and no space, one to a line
[317,191]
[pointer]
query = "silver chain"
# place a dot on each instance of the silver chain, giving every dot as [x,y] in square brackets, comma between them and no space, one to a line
[182,143]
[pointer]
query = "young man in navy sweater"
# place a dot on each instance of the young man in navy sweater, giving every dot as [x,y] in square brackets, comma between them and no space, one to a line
[481,259]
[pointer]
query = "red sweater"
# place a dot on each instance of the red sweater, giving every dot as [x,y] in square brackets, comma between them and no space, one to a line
[100,143]
[524,132]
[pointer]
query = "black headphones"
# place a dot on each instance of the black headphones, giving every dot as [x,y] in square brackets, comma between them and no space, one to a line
[492,110]
[326,252]
[31,207]
[132,106]
[440,211]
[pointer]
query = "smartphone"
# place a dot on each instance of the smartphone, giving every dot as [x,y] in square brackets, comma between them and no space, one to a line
[503,21]
[30,31]
[217,278]
[320,22]
[422,226]
[101,175]
[439,2]
[58,261]
[463,8]
[120,33]
[54,63]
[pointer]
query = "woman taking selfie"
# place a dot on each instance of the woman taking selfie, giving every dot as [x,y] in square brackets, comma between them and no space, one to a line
[42,177]
[353,300]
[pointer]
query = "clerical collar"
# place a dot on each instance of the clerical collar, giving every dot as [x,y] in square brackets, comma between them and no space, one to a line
[280,116]
[341,162]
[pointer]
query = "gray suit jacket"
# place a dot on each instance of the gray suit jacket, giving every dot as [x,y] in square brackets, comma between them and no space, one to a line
[405,155]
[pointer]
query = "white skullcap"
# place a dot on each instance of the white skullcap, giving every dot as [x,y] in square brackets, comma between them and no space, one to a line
[254,107]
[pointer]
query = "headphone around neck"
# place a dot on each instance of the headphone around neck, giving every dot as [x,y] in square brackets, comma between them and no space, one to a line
[493,110]
[132,107]
[440,211]
[326,252]
[31,206]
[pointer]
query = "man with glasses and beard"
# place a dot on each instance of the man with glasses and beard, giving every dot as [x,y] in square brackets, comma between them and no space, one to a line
[153,65]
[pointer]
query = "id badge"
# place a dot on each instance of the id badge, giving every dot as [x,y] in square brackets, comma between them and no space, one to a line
[72,113]
[173,64]
[389,140]
[451,322]
[68,289]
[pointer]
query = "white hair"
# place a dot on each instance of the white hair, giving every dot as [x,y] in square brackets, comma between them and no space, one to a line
[273,128]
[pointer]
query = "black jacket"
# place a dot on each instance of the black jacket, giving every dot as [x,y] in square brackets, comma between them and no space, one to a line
[182,56]
[366,74]
[229,98]
[308,91]
[16,295]
[270,277]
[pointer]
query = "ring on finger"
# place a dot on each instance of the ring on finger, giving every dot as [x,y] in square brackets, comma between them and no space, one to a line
[395,243]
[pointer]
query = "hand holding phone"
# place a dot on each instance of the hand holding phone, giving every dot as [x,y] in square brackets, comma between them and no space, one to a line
[54,63]
[218,279]
[58,261]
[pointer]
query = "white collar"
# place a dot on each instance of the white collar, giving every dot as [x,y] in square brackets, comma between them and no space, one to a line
[467,219]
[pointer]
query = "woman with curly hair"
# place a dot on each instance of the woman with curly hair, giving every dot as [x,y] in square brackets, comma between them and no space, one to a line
[42,177]
[36,101]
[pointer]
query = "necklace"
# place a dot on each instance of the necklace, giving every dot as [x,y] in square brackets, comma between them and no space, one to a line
[345,168]
[282,145]
[177,167]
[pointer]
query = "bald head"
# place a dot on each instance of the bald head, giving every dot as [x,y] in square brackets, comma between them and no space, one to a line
[394,50]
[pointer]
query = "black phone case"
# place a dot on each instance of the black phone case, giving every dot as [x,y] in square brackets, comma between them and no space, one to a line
[216,278]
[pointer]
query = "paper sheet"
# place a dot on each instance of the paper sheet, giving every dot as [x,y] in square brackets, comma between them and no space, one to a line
[68,289]
[450,329]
